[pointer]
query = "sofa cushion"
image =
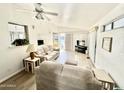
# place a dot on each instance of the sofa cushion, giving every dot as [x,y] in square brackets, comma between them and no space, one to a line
[50,48]
[49,52]
[46,49]
[40,51]
[52,53]
[71,62]
[72,78]
[48,57]
[75,71]
[50,69]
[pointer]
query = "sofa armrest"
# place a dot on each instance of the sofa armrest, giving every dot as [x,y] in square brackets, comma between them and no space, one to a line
[42,58]
[95,84]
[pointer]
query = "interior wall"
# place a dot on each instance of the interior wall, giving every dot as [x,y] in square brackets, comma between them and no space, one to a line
[112,62]
[11,57]
[79,36]
[92,42]
[45,32]
[11,62]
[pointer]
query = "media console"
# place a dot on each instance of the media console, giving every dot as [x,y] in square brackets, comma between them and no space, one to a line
[81,49]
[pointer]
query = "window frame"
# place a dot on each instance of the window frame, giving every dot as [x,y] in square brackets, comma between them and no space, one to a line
[25,32]
[116,21]
[112,24]
[104,29]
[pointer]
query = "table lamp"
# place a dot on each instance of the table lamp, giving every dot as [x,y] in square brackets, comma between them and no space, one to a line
[31,49]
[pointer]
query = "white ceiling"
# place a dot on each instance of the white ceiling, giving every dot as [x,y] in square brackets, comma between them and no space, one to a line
[80,15]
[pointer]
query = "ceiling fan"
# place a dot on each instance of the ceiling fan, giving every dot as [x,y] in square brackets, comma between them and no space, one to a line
[41,14]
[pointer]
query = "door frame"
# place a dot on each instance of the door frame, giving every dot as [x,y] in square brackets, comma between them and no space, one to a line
[95,45]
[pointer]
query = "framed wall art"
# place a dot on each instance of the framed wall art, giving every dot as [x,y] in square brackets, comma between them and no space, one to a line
[107,43]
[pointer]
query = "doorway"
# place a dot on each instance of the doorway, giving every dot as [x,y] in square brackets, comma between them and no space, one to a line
[62,41]
[66,41]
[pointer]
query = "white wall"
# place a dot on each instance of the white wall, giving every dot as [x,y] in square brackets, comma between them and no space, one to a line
[92,42]
[112,62]
[79,36]
[45,32]
[11,58]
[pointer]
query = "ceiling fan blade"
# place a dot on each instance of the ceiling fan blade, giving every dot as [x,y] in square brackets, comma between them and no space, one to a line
[51,13]
[46,17]
[37,16]
[24,10]
[39,10]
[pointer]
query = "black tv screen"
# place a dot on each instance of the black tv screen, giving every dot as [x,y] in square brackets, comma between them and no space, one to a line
[40,42]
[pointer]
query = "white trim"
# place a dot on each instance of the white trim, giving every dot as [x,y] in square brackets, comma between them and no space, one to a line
[2,80]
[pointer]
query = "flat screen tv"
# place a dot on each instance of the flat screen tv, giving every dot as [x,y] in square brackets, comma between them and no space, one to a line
[40,42]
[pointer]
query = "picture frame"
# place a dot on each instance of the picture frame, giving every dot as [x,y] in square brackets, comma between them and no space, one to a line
[107,44]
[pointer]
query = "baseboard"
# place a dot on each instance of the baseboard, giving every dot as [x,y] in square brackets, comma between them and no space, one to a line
[11,75]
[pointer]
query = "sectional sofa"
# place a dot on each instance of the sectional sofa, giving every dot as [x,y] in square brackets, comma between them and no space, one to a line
[55,76]
[47,52]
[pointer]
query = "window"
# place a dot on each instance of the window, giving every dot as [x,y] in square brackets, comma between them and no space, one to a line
[18,34]
[55,40]
[108,27]
[118,23]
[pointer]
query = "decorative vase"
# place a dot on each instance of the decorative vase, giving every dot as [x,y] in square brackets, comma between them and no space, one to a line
[32,55]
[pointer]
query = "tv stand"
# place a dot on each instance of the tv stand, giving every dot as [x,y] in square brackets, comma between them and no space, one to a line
[81,49]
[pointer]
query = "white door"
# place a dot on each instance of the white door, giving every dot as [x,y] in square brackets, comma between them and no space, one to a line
[68,42]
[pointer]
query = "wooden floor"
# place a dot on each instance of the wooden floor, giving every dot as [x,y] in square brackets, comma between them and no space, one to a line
[72,55]
[21,81]
[26,81]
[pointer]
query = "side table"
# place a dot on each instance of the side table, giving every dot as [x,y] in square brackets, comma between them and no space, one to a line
[30,64]
[104,77]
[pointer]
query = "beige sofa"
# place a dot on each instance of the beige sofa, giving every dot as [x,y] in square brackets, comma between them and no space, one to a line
[47,52]
[55,76]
